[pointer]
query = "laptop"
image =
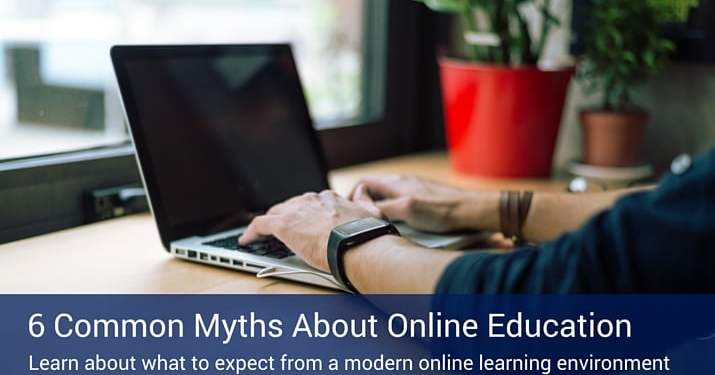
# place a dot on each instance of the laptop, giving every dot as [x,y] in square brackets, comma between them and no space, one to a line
[222,133]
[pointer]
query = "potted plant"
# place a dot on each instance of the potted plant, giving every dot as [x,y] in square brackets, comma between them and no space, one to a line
[502,111]
[622,49]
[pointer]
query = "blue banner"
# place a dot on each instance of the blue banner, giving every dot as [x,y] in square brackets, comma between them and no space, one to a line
[253,334]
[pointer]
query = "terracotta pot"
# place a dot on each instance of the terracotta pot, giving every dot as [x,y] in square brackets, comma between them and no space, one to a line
[612,139]
[502,121]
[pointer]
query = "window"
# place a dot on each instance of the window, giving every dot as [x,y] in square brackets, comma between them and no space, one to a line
[367,67]
[58,93]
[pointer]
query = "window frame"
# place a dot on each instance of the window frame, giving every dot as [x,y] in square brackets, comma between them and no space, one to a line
[47,193]
[390,89]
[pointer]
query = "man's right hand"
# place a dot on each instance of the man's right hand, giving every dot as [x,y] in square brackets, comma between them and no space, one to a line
[428,205]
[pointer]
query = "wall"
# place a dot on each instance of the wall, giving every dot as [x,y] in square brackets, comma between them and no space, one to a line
[681,102]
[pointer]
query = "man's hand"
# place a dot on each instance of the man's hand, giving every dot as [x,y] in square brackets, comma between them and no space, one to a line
[304,223]
[425,204]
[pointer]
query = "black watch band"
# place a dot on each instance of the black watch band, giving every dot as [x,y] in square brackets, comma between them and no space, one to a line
[350,234]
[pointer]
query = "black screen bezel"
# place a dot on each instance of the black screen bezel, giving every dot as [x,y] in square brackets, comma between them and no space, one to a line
[122,53]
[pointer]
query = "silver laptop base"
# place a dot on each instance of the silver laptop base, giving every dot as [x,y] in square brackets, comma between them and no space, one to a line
[313,277]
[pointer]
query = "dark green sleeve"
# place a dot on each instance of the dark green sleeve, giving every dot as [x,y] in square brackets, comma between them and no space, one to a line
[659,241]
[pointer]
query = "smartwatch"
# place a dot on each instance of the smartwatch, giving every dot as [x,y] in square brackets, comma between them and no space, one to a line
[350,234]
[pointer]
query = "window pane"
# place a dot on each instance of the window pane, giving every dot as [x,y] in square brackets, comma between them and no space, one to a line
[57,90]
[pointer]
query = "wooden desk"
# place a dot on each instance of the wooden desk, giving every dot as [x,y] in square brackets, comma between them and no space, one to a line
[125,255]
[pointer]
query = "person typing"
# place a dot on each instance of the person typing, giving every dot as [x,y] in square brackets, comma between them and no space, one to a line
[630,241]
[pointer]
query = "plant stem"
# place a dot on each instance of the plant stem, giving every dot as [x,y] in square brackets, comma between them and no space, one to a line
[607,94]
[501,26]
[527,57]
[625,99]
[467,17]
[545,26]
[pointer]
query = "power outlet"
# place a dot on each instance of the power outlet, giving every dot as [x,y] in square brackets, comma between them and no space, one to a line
[108,203]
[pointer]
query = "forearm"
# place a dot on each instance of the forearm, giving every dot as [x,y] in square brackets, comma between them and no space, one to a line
[391,264]
[551,214]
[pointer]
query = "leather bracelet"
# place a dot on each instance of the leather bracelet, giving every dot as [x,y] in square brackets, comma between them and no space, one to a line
[513,210]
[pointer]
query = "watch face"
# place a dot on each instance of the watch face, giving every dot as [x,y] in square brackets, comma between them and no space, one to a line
[361,225]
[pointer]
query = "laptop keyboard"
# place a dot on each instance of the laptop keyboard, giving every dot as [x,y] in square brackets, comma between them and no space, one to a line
[271,248]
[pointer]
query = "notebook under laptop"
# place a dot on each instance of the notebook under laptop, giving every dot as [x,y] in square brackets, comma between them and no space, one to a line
[222,132]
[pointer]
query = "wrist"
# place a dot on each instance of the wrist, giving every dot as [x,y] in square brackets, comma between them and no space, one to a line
[478,211]
[362,262]
[392,264]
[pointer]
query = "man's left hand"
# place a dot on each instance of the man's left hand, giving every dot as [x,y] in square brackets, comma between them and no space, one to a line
[304,223]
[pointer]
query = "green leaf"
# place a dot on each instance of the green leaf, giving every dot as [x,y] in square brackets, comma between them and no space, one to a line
[502,18]
[623,47]
[629,57]
[649,58]
[616,37]
[666,45]
[448,6]
[550,18]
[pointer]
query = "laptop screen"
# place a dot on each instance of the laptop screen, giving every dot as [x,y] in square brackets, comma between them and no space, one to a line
[220,131]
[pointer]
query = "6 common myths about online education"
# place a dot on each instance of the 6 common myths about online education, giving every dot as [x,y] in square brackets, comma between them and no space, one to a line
[398,325]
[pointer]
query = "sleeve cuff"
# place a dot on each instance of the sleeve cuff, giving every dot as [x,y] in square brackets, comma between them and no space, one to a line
[462,275]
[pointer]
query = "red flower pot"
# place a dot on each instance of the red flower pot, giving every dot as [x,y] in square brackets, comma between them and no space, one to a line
[502,121]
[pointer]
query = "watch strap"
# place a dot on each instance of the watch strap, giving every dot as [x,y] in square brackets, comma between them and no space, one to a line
[344,237]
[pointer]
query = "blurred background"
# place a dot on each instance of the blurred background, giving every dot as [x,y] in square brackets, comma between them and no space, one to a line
[380,80]
[58,90]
